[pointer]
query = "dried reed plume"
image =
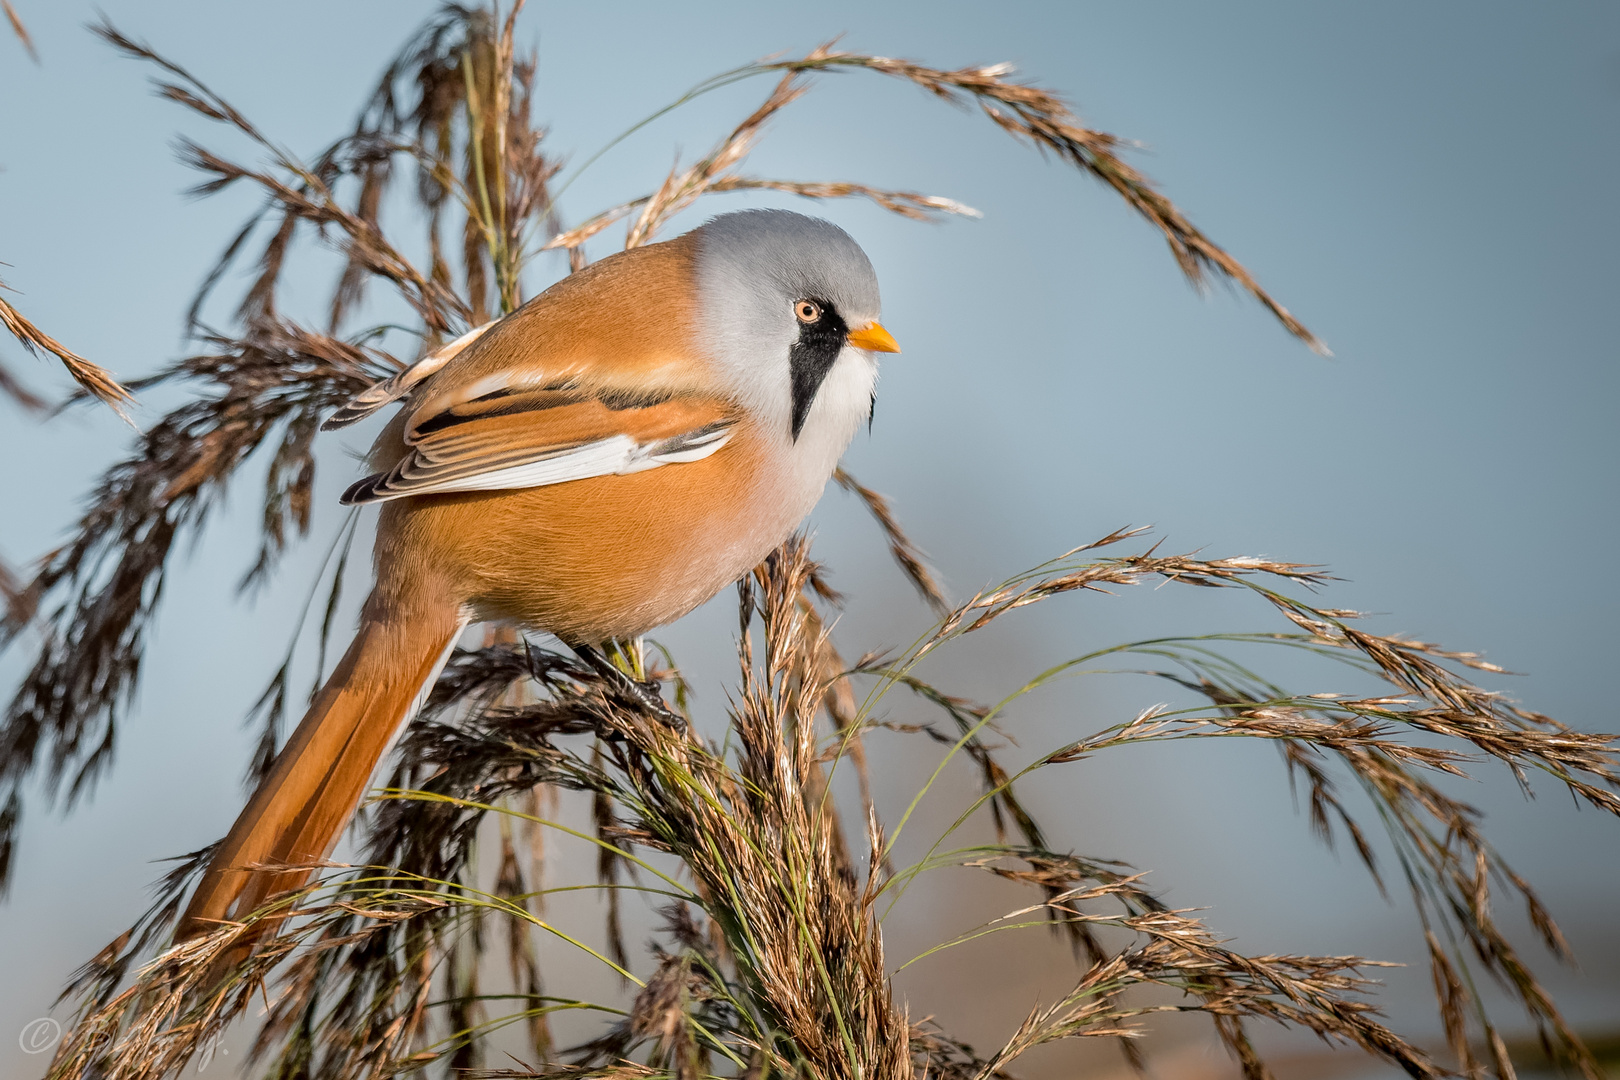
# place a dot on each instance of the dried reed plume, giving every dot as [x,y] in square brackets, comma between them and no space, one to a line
[94,379]
[770,961]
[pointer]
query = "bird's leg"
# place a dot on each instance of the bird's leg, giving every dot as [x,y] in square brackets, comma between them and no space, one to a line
[648,694]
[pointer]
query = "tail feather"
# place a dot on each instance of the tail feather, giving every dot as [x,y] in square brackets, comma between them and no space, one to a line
[298,812]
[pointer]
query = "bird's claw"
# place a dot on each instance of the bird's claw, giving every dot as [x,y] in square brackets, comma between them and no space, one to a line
[647,695]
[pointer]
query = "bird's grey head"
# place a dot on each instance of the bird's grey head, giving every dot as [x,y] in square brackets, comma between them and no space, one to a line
[785,300]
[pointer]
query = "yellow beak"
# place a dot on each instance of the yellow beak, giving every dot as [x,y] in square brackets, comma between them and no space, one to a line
[873,338]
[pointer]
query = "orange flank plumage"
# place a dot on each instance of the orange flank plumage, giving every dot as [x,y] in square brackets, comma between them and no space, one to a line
[621,554]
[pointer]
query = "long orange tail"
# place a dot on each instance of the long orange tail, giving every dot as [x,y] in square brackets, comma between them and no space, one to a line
[300,809]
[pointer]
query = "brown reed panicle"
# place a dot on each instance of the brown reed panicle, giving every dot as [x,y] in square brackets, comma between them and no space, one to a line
[92,378]
[912,562]
[1448,864]
[99,590]
[770,962]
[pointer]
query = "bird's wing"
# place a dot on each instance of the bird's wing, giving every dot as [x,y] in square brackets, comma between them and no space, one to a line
[529,437]
[400,384]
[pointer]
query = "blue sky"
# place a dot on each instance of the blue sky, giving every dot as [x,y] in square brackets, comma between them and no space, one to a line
[1429,187]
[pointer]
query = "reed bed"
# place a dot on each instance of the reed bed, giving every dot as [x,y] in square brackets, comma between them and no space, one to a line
[771,892]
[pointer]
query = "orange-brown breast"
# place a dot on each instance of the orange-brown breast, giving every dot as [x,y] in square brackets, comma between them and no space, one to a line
[595,559]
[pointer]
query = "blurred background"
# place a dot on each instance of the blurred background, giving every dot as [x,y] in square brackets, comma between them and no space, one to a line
[1428,187]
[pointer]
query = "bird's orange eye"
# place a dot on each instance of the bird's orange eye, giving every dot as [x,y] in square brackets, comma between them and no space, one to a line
[808,311]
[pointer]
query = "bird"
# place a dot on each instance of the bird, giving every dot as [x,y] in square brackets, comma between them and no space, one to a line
[593,465]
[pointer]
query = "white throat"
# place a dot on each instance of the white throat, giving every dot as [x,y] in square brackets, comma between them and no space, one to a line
[842,404]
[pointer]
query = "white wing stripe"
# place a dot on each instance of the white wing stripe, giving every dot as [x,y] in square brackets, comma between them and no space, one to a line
[593,459]
[618,454]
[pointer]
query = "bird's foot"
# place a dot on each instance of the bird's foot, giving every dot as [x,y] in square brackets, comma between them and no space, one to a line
[647,695]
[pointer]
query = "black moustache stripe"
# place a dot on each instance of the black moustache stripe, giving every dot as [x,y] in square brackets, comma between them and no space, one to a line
[812,357]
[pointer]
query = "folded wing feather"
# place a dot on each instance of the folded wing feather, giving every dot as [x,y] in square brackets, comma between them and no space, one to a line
[533,437]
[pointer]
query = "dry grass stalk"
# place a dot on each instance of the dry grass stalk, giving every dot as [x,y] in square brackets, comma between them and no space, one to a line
[304,197]
[1179,953]
[771,959]
[909,204]
[1044,119]
[682,188]
[267,389]
[910,558]
[94,379]
[20,30]
[1448,864]
[715,173]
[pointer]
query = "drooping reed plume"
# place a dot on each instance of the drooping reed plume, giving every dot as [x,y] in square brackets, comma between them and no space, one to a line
[770,961]
[16,599]
[92,377]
